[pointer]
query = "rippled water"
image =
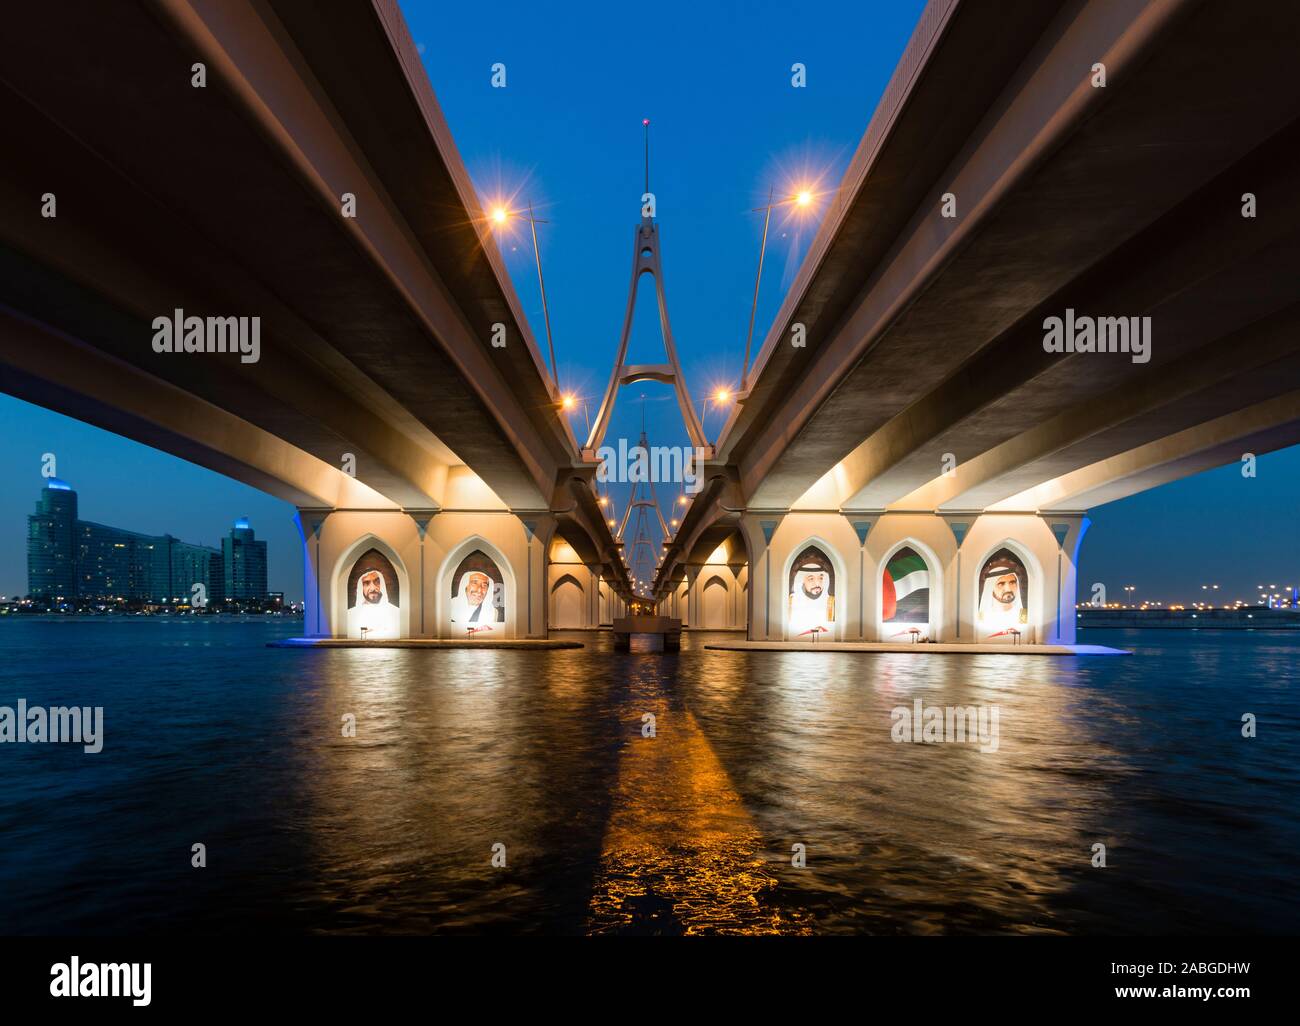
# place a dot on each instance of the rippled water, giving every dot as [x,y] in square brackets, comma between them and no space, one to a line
[213,738]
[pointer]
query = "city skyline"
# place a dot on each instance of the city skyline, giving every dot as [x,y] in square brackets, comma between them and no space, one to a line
[72,560]
[1139,541]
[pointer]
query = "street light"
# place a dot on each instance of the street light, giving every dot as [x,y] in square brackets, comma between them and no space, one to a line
[801,200]
[720,397]
[501,215]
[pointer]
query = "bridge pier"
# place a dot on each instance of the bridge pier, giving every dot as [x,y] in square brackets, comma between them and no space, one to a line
[580,594]
[480,575]
[986,578]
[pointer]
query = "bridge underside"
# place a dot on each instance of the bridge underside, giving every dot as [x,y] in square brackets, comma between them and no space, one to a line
[287,162]
[925,410]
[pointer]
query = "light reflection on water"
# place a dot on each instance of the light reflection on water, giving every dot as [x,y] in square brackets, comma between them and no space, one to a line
[213,738]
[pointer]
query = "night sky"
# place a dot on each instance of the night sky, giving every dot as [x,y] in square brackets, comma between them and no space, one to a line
[566,135]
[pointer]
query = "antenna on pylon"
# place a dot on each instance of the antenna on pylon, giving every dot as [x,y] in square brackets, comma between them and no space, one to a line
[646,122]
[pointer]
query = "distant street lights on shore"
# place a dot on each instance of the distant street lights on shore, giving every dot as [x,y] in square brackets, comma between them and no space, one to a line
[801,199]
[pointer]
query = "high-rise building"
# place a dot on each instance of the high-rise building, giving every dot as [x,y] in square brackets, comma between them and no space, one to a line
[243,563]
[180,566]
[113,563]
[68,558]
[51,543]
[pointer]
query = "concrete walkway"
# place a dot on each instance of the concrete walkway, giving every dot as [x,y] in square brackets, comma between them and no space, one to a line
[939,649]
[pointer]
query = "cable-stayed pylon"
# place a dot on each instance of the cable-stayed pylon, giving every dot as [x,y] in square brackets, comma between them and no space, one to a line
[646,260]
[642,557]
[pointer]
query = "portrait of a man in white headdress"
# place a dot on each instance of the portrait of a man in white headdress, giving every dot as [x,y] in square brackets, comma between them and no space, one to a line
[1003,603]
[812,599]
[477,605]
[371,616]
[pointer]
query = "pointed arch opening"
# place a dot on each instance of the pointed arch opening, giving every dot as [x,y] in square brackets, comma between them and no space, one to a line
[476,592]
[909,594]
[1008,589]
[568,604]
[813,575]
[370,594]
[714,603]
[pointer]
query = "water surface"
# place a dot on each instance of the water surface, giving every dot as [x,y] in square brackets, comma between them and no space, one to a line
[213,738]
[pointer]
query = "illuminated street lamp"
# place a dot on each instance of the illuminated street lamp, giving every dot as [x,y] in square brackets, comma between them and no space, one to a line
[801,200]
[720,397]
[501,216]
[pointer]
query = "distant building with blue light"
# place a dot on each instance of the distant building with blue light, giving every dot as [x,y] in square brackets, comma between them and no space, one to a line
[69,558]
[243,561]
[52,543]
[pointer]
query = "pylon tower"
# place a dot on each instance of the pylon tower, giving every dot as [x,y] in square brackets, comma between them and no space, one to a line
[646,260]
[642,556]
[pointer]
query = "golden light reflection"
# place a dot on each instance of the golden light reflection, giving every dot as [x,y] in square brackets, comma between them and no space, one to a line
[681,854]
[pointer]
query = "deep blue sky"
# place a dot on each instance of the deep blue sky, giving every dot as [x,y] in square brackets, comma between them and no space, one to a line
[566,135]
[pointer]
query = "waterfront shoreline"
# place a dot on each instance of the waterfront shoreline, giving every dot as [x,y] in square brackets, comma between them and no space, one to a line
[939,648]
[532,644]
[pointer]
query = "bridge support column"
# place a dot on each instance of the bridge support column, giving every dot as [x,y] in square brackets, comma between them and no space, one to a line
[691,617]
[990,578]
[478,574]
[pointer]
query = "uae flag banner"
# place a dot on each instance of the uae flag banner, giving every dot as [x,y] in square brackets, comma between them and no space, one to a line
[905,589]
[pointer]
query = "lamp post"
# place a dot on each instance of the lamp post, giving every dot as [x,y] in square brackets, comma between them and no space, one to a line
[801,200]
[720,397]
[500,216]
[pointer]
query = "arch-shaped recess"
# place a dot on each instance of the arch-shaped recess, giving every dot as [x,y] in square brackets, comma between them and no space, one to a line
[909,593]
[568,602]
[1008,593]
[811,577]
[355,604]
[714,600]
[467,606]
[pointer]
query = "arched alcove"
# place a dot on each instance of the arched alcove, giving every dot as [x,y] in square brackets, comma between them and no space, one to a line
[714,597]
[909,593]
[1008,594]
[476,592]
[568,604]
[384,611]
[813,580]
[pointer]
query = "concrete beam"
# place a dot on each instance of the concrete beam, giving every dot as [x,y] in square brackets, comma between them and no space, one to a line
[1057,176]
[1261,428]
[250,181]
[1200,273]
[60,373]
